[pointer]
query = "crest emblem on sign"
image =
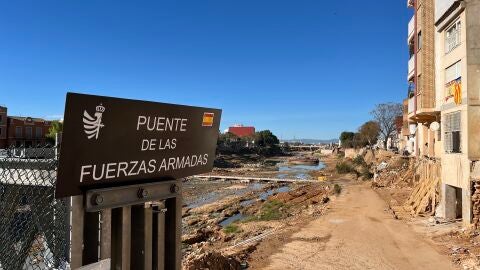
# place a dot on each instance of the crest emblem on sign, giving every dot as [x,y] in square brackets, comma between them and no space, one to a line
[93,124]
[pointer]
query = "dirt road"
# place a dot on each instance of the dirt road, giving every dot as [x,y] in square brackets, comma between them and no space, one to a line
[357,233]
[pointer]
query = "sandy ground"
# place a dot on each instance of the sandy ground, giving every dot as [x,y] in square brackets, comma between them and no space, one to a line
[358,232]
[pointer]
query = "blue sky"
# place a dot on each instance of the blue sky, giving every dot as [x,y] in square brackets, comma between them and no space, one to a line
[304,68]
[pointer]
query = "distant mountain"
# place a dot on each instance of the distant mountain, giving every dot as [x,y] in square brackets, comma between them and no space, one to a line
[311,141]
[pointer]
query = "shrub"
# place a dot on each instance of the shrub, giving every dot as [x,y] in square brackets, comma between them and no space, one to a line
[359,160]
[344,167]
[366,174]
[271,210]
[231,228]
[337,189]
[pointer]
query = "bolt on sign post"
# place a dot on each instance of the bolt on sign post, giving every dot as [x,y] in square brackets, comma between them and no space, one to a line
[117,154]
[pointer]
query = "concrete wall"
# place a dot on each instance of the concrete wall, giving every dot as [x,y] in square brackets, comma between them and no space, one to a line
[472,36]
[456,168]
[441,6]
[326,151]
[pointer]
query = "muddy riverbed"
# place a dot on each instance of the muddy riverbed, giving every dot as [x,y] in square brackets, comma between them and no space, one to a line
[220,218]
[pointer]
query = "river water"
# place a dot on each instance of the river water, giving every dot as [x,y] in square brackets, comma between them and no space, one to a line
[287,170]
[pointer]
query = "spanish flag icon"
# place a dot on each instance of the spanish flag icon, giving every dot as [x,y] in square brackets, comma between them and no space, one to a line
[208,119]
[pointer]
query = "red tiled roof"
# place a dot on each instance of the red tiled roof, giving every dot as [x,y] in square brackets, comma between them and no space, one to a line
[242,131]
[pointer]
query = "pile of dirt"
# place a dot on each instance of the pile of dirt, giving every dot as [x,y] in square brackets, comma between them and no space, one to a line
[210,260]
[396,172]
[377,156]
[419,176]
[463,246]
[304,195]
[198,236]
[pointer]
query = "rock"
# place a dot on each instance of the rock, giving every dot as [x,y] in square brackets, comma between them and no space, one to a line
[382,166]
[212,261]
[201,235]
[325,199]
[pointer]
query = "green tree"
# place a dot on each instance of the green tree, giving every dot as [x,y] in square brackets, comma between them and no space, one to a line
[369,132]
[265,138]
[347,138]
[56,127]
[226,138]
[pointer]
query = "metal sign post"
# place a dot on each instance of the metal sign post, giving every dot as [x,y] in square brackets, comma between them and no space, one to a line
[109,223]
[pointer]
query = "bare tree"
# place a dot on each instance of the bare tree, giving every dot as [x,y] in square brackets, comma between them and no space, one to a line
[385,115]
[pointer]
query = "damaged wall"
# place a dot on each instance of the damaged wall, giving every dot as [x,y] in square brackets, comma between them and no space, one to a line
[475,176]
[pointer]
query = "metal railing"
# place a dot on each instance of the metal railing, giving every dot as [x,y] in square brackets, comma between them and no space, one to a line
[34,226]
[411,67]
[411,105]
[452,40]
[411,28]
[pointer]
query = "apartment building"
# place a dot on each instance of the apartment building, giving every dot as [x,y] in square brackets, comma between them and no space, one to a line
[422,136]
[22,131]
[457,67]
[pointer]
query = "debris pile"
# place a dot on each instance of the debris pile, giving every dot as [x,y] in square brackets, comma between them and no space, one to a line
[476,203]
[210,260]
[397,172]
[425,195]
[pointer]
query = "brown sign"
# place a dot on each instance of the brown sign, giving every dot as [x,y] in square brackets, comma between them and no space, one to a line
[112,142]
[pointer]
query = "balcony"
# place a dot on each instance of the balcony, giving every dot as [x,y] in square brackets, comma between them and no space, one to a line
[411,67]
[411,29]
[411,105]
[421,108]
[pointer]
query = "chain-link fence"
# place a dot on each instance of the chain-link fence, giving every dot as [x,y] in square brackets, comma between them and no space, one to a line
[34,226]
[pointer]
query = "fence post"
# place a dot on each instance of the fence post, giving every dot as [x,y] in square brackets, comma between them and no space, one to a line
[142,237]
[159,236]
[91,236]
[77,232]
[105,234]
[173,239]
[121,238]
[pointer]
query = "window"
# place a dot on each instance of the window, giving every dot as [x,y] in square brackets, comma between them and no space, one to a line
[28,132]
[38,132]
[452,37]
[1,131]
[452,131]
[18,132]
[453,72]
[453,75]
[1,119]
[419,40]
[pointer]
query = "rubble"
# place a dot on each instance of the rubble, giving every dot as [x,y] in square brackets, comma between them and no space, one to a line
[398,172]
[476,203]
[210,260]
[224,221]
[425,195]
[201,235]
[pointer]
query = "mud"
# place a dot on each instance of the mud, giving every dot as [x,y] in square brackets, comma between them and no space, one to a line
[218,216]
